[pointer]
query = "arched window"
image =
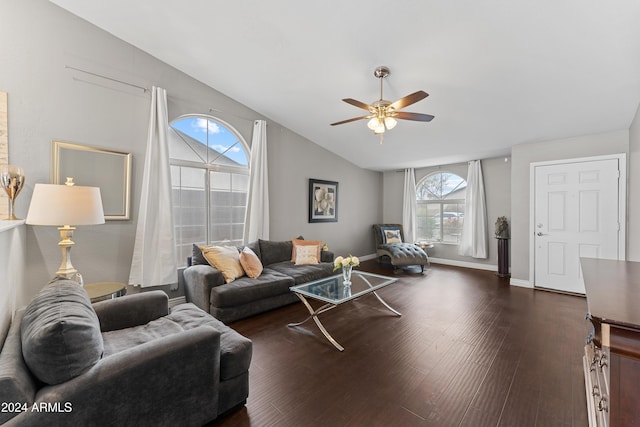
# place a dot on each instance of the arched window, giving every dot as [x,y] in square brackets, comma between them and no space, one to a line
[210,181]
[440,207]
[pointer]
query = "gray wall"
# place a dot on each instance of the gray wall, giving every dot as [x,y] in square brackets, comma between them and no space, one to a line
[522,156]
[496,175]
[49,101]
[359,195]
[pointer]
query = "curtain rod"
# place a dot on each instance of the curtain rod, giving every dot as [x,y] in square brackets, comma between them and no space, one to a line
[142,88]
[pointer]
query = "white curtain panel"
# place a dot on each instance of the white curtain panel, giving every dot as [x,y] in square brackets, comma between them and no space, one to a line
[256,225]
[409,206]
[474,241]
[154,252]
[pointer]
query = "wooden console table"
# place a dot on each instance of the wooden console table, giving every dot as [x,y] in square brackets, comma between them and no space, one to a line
[612,355]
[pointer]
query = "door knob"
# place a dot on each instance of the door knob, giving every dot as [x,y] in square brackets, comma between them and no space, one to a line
[539,233]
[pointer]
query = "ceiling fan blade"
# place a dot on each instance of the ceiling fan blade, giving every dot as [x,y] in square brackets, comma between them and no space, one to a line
[413,116]
[357,103]
[409,99]
[350,120]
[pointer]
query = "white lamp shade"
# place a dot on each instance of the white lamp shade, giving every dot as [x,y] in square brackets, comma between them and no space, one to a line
[58,205]
[390,122]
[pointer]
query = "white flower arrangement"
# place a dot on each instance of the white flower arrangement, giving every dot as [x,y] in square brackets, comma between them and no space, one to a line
[341,262]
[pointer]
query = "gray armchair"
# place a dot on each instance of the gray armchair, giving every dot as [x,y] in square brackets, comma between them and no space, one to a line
[392,248]
[154,367]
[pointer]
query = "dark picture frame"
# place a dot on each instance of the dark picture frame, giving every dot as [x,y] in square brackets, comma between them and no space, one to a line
[323,200]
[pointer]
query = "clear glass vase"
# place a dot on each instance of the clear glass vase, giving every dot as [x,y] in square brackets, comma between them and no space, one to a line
[346,274]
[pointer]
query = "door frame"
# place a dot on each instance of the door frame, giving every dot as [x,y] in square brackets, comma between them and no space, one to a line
[622,203]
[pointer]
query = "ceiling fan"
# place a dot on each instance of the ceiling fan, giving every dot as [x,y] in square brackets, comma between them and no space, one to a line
[382,113]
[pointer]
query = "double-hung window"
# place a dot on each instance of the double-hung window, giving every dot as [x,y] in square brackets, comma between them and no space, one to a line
[440,199]
[209,180]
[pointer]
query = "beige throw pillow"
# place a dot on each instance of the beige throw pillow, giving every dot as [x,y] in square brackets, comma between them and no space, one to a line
[301,242]
[307,255]
[392,236]
[226,259]
[250,263]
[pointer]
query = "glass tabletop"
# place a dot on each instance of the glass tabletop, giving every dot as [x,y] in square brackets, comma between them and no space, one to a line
[333,290]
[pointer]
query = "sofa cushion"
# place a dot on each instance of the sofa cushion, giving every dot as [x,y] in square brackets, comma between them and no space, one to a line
[198,259]
[235,350]
[226,259]
[255,247]
[250,262]
[272,252]
[196,256]
[307,255]
[246,290]
[16,382]
[302,242]
[304,273]
[60,333]
[391,234]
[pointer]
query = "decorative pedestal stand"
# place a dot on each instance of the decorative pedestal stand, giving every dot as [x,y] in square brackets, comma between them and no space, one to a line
[503,257]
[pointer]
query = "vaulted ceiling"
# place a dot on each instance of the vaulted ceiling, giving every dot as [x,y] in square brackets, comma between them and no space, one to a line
[498,72]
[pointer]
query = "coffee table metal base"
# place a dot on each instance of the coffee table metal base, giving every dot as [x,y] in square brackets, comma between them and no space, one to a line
[313,314]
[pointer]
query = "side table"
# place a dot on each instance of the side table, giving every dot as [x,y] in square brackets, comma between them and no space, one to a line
[104,290]
[424,246]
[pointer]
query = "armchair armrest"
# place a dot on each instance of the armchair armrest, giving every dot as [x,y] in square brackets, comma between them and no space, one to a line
[198,281]
[131,310]
[134,387]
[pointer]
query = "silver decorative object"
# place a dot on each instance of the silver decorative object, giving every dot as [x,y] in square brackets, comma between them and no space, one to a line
[502,228]
[12,179]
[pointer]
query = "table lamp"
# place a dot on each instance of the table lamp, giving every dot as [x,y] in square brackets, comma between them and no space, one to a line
[64,206]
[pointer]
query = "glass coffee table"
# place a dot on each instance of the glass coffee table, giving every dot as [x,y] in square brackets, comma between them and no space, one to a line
[333,292]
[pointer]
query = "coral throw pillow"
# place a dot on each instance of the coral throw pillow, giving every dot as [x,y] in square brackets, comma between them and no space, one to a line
[307,255]
[301,242]
[226,259]
[250,263]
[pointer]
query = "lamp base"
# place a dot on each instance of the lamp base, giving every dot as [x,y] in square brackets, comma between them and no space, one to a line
[66,269]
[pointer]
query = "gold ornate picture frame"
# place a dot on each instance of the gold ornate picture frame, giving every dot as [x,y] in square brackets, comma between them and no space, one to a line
[96,167]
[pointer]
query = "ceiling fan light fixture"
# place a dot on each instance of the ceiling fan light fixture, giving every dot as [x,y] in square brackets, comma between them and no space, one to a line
[374,123]
[390,122]
[382,113]
[380,125]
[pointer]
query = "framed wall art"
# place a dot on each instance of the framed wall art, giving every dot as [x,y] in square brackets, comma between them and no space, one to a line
[323,201]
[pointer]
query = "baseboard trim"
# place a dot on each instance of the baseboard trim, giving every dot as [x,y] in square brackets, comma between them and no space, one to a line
[521,283]
[466,264]
[177,300]
[367,257]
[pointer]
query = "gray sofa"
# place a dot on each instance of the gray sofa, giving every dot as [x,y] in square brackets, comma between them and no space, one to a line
[126,361]
[206,287]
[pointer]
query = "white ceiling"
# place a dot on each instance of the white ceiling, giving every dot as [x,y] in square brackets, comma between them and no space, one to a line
[498,72]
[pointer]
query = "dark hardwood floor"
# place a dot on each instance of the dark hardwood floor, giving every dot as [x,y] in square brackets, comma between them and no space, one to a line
[469,350]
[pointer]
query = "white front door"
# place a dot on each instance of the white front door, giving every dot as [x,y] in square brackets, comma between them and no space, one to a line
[576,214]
